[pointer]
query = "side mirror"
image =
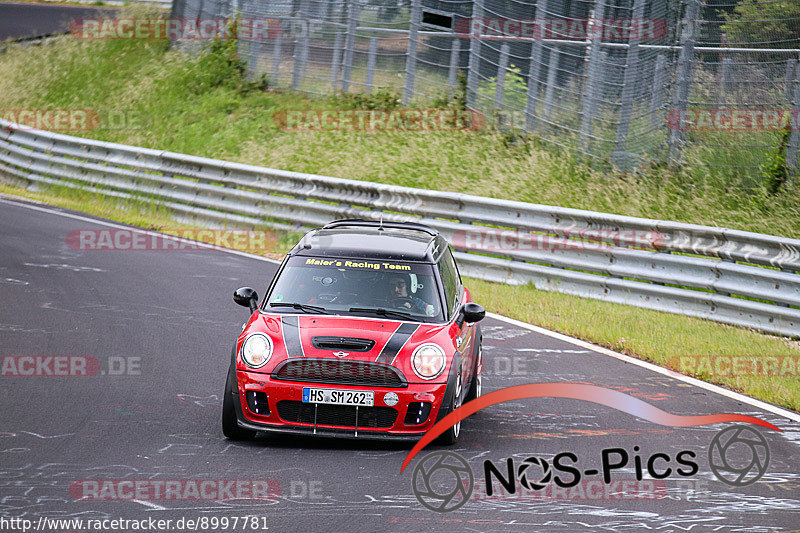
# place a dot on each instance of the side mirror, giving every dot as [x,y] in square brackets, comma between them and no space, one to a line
[246,297]
[470,313]
[473,313]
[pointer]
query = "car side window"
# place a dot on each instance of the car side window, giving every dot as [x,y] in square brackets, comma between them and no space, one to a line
[449,275]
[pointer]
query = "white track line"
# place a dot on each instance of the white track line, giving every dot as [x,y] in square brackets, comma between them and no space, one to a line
[577,342]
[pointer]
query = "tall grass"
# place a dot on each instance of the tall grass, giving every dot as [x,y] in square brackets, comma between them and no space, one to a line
[205,106]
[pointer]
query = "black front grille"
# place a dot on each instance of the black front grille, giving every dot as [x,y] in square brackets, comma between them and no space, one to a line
[336,415]
[339,371]
[351,344]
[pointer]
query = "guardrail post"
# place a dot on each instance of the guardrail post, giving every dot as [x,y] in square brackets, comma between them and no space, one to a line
[794,137]
[455,55]
[474,53]
[683,79]
[659,83]
[350,44]
[373,52]
[336,61]
[500,85]
[592,73]
[552,80]
[411,54]
[628,84]
[788,81]
[301,46]
[539,13]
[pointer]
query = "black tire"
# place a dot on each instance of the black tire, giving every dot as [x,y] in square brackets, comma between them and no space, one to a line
[230,427]
[449,437]
[476,385]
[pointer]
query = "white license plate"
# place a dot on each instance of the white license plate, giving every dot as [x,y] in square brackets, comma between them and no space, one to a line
[339,397]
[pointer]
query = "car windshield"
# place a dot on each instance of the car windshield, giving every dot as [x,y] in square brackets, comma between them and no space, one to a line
[361,287]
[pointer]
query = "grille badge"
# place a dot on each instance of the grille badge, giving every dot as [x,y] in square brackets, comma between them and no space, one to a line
[341,354]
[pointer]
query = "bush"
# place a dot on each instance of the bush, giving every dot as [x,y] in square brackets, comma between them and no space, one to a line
[218,66]
[382,99]
[774,170]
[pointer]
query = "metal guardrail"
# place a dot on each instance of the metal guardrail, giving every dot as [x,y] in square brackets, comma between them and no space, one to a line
[735,277]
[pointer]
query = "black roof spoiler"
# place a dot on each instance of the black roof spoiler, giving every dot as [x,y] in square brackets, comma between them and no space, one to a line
[360,222]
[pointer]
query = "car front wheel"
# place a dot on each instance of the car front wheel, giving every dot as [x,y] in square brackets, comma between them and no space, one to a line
[450,436]
[230,427]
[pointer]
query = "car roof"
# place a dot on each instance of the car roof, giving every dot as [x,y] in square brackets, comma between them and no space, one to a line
[355,238]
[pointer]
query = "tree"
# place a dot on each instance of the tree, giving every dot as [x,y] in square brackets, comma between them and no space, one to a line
[764,25]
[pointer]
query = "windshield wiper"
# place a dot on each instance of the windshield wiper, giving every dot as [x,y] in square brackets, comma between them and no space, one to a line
[302,307]
[382,312]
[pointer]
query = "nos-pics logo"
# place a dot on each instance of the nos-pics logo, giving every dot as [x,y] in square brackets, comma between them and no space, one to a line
[443,481]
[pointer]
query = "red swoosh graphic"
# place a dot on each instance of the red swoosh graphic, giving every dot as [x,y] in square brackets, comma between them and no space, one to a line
[574,391]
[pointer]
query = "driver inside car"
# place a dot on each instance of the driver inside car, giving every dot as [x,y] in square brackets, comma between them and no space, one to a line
[399,296]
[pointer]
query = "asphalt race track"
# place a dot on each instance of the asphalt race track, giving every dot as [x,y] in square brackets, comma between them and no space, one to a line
[23,20]
[161,325]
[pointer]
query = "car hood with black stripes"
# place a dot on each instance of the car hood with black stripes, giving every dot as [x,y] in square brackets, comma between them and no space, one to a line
[390,342]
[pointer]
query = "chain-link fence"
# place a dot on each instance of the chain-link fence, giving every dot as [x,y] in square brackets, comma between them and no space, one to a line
[712,82]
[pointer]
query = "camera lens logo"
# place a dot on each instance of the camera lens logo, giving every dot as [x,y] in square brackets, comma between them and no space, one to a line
[442,481]
[738,455]
[525,470]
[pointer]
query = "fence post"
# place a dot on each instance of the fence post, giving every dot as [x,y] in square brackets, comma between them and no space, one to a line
[253,51]
[350,44]
[788,79]
[336,61]
[411,54]
[455,55]
[683,79]
[373,52]
[628,85]
[474,53]
[277,51]
[794,137]
[533,71]
[593,71]
[552,79]
[659,81]
[300,54]
[725,80]
[500,86]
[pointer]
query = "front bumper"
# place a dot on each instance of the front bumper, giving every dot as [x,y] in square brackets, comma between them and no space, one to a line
[406,425]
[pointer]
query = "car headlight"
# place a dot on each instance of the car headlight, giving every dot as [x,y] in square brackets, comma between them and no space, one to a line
[428,361]
[256,350]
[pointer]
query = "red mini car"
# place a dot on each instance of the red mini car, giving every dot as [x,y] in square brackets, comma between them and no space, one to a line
[366,331]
